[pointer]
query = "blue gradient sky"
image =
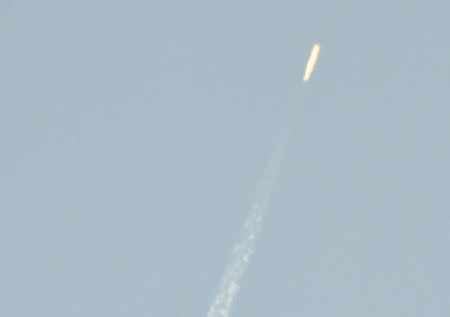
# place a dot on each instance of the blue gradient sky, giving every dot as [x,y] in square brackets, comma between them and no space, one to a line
[133,134]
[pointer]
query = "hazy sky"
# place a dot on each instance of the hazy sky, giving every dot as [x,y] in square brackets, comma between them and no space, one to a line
[133,134]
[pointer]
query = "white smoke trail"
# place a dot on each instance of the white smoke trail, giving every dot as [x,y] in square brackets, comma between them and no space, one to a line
[243,249]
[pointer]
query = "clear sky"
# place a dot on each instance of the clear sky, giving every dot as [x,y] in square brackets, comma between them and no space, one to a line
[133,134]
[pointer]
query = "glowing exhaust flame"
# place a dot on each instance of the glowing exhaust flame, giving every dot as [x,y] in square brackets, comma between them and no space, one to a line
[311,62]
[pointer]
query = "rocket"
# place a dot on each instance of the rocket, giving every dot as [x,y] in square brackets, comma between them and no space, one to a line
[312,60]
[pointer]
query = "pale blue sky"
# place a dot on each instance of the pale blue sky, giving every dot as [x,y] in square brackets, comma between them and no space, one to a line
[133,133]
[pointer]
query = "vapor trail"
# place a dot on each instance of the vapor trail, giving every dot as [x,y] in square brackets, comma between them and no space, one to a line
[243,249]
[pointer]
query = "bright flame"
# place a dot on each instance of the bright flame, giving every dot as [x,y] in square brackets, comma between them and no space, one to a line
[311,62]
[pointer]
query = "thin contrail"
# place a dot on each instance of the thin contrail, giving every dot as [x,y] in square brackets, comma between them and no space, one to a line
[243,249]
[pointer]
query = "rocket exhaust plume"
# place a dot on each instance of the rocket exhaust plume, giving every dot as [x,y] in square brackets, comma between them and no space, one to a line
[311,62]
[243,250]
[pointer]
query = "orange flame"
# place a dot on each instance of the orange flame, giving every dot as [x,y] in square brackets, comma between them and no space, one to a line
[311,62]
